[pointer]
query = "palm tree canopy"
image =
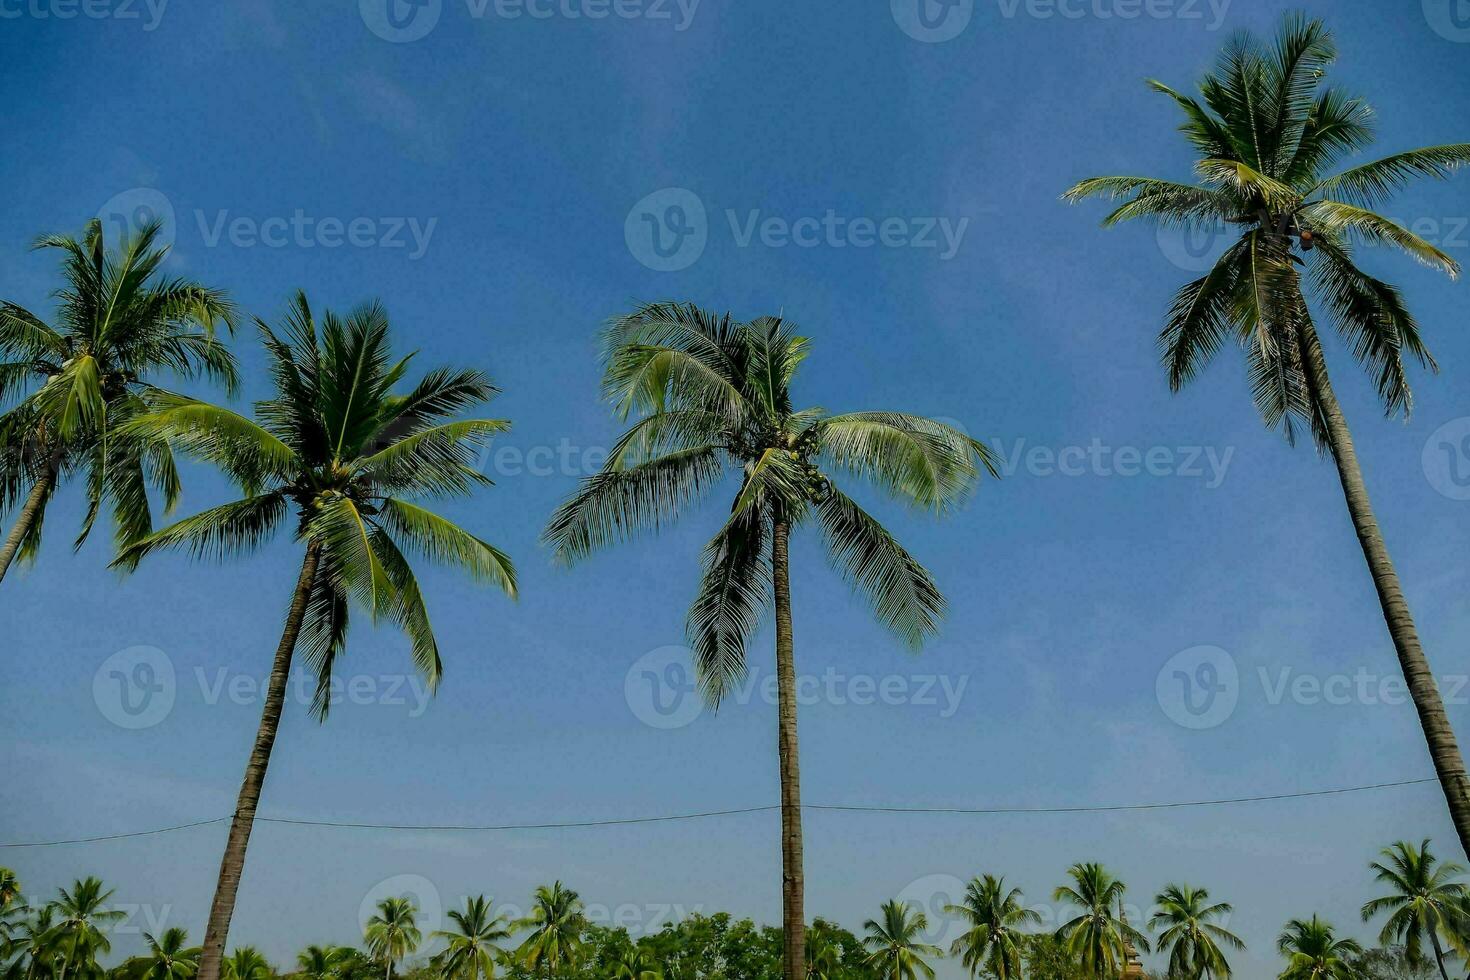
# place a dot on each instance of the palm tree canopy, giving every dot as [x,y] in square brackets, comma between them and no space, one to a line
[1313,951]
[247,963]
[712,396]
[893,940]
[1268,132]
[341,449]
[556,922]
[69,384]
[392,933]
[1188,926]
[1097,938]
[472,948]
[994,917]
[1425,901]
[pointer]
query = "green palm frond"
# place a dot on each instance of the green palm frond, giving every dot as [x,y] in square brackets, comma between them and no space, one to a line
[916,459]
[1345,219]
[733,594]
[440,540]
[247,453]
[220,532]
[1372,184]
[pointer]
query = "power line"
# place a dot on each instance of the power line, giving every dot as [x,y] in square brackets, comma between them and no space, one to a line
[668,818]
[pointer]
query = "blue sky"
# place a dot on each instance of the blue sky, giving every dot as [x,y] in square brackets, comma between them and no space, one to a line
[489,180]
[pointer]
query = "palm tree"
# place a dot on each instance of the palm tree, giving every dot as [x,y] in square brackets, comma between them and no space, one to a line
[556,922]
[823,952]
[994,917]
[119,323]
[895,950]
[323,962]
[393,933]
[1425,901]
[1313,952]
[712,396]
[340,448]
[35,947]
[636,963]
[12,909]
[81,932]
[1098,940]
[1267,135]
[246,963]
[472,950]
[168,958]
[1190,933]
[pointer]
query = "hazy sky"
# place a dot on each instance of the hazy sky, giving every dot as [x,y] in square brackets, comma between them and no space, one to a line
[891,183]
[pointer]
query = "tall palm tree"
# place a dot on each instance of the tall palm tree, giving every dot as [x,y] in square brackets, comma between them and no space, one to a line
[1426,900]
[393,932]
[342,450]
[323,962]
[168,958]
[895,952]
[1187,929]
[81,932]
[557,921]
[1097,939]
[993,916]
[247,963]
[1268,135]
[712,397]
[636,963]
[473,950]
[1313,952]
[119,323]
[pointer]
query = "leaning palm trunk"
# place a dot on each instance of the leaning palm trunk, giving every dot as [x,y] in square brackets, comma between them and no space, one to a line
[30,512]
[793,918]
[1443,749]
[233,862]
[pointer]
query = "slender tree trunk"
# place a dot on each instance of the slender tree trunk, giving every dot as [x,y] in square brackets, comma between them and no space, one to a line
[30,512]
[1438,954]
[793,917]
[1443,749]
[233,862]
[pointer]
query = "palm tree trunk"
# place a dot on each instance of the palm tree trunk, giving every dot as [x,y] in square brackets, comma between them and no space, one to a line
[30,512]
[233,862]
[793,917]
[1438,954]
[1443,749]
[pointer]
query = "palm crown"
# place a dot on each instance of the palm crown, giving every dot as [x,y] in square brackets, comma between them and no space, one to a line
[1097,938]
[1313,951]
[896,952]
[713,395]
[1268,135]
[340,448]
[556,922]
[1191,934]
[118,324]
[1427,901]
[994,916]
[471,950]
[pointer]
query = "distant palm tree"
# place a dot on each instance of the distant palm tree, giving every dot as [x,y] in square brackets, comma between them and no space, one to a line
[895,952]
[557,921]
[119,324]
[1097,939]
[12,910]
[169,958]
[1267,136]
[713,397]
[1426,901]
[636,963]
[323,962]
[81,933]
[1187,929]
[338,447]
[246,963]
[473,949]
[823,952]
[34,948]
[393,932]
[993,915]
[1313,952]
